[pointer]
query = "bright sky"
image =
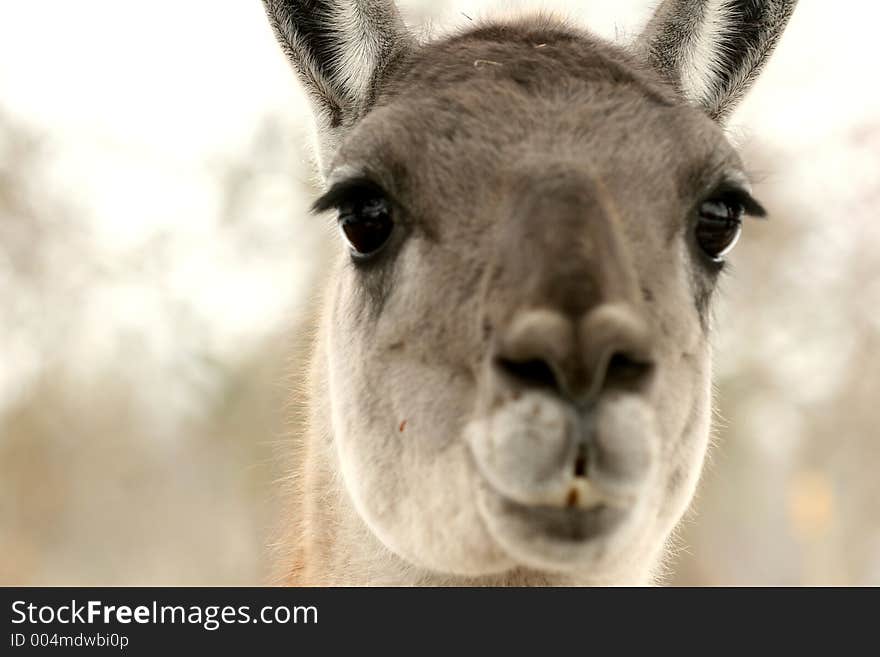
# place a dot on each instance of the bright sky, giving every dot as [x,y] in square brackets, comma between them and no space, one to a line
[165,76]
[140,96]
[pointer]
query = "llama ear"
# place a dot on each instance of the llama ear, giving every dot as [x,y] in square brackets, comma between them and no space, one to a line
[340,49]
[714,49]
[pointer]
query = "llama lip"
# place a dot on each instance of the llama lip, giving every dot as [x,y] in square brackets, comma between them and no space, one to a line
[539,452]
[585,495]
[562,539]
[567,524]
[570,524]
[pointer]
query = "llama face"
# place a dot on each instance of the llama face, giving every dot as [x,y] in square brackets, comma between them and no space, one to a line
[531,234]
[513,365]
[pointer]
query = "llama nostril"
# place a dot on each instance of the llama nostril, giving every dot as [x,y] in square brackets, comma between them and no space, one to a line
[624,370]
[532,349]
[580,462]
[620,348]
[533,372]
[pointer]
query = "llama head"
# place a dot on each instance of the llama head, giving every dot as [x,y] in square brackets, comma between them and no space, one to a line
[532,223]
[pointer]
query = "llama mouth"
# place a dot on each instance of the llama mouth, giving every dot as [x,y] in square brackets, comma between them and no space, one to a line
[563,524]
[554,537]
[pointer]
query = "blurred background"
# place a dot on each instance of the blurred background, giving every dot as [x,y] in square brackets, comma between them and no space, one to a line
[156,257]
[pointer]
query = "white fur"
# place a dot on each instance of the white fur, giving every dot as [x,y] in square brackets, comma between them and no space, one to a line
[358,49]
[700,61]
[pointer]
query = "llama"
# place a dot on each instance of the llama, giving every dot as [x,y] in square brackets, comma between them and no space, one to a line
[510,377]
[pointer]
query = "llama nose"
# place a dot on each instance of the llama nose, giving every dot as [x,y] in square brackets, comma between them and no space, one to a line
[577,358]
[617,347]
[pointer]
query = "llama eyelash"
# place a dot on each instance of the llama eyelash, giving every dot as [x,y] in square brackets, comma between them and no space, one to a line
[345,191]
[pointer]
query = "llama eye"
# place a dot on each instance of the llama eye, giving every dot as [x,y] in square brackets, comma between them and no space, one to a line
[719,226]
[366,224]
